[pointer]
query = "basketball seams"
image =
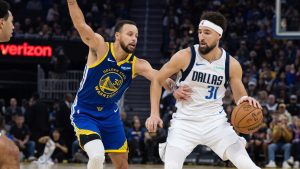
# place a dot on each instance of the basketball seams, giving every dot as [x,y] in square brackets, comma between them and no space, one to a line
[245,117]
[235,111]
[260,120]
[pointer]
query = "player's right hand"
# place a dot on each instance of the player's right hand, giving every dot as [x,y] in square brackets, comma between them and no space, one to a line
[183,93]
[152,122]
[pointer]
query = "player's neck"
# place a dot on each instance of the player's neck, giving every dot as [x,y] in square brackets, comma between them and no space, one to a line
[213,55]
[119,53]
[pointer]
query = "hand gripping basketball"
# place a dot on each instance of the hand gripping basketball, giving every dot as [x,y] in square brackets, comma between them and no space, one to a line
[246,118]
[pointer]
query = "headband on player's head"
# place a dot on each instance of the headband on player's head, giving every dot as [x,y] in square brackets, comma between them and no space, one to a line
[211,25]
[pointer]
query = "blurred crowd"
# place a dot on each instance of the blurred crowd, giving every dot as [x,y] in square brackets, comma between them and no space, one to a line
[271,74]
[49,19]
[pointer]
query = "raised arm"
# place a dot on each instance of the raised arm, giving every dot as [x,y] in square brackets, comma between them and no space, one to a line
[87,35]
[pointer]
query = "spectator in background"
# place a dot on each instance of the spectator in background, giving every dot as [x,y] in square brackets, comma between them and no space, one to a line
[271,104]
[242,52]
[281,136]
[11,111]
[293,107]
[252,88]
[258,145]
[38,120]
[296,142]
[64,122]
[55,148]
[136,141]
[60,63]
[282,110]
[21,136]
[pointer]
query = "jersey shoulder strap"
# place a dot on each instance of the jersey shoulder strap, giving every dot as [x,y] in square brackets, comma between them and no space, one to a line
[192,61]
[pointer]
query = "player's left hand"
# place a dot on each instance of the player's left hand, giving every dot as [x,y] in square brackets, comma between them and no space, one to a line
[251,100]
[183,93]
[153,122]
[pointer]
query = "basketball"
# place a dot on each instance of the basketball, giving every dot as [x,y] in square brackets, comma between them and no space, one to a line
[246,119]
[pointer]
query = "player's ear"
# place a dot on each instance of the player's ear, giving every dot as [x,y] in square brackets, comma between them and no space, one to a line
[117,35]
[1,23]
[220,36]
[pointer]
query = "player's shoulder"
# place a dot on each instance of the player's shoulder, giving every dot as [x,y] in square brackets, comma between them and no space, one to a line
[234,62]
[182,54]
[141,61]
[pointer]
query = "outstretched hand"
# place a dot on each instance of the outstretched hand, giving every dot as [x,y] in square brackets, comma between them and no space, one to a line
[153,122]
[183,93]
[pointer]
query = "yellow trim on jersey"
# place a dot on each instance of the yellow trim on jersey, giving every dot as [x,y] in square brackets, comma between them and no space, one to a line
[101,59]
[123,149]
[113,53]
[133,67]
[83,132]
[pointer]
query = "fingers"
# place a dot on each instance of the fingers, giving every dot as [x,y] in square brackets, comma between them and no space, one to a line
[256,104]
[183,93]
[161,125]
[153,123]
[149,124]
[187,88]
[250,100]
[253,102]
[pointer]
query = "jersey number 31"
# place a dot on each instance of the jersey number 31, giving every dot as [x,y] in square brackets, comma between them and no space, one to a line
[212,92]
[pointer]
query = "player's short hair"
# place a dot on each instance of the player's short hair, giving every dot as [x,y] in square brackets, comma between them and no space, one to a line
[4,8]
[216,18]
[121,23]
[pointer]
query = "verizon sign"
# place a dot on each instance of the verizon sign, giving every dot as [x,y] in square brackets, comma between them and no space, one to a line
[26,50]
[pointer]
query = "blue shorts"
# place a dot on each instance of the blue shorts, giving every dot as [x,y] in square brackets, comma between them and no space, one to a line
[109,129]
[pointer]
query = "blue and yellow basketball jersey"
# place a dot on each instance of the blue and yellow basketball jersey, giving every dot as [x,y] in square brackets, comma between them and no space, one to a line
[95,113]
[103,84]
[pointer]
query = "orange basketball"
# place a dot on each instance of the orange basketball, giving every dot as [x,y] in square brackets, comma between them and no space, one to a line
[246,119]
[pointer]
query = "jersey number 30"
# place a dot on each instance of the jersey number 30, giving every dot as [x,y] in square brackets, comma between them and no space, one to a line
[212,92]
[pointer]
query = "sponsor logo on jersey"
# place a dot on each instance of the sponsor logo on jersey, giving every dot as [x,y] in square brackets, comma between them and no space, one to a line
[125,68]
[219,68]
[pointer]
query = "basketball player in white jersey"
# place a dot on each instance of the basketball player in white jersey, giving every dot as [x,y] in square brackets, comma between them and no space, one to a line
[201,119]
[9,152]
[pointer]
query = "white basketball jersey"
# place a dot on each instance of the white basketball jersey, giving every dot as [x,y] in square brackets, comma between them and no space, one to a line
[208,82]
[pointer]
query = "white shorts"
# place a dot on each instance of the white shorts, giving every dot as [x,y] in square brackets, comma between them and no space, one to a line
[215,133]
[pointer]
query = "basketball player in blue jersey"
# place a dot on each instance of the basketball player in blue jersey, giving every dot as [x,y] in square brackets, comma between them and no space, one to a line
[206,69]
[109,71]
[9,152]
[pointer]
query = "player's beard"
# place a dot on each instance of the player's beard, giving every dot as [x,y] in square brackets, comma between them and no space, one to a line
[206,49]
[126,48]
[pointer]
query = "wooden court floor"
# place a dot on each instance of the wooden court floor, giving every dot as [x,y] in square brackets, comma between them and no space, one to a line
[109,166]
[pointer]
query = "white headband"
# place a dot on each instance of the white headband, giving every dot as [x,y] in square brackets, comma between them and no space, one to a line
[212,26]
